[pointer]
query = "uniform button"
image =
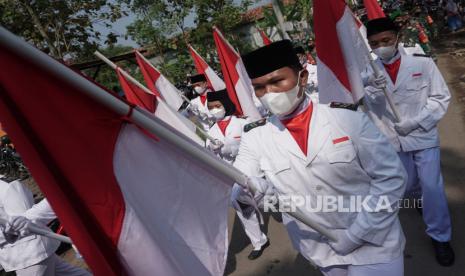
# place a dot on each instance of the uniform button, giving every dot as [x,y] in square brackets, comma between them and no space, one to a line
[319,187]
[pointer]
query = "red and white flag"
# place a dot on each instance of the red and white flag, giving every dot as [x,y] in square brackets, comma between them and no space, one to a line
[132,203]
[373,9]
[341,50]
[156,105]
[237,81]
[266,40]
[158,84]
[136,95]
[214,81]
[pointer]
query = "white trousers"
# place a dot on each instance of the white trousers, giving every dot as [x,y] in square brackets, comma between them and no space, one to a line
[393,268]
[52,266]
[424,174]
[252,229]
[251,225]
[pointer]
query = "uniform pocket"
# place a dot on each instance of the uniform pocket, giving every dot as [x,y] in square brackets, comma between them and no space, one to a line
[341,155]
[25,239]
[281,166]
[415,85]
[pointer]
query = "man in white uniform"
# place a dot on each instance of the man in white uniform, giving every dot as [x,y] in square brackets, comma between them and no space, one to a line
[319,151]
[421,97]
[199,104]
[23,252]
[228,132]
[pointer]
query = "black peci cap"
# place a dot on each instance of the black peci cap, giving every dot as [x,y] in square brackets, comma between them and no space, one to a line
[196,78]
[270,58]
[380,25]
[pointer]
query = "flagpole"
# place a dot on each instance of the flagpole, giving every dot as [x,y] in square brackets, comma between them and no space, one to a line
[203,132]
[280,18]
[129,77]
[140,117]
[35,229]
[141,86]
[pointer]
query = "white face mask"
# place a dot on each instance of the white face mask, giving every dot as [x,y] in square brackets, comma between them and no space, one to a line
[218,113]
[199,90]
[387,52]
[282,103]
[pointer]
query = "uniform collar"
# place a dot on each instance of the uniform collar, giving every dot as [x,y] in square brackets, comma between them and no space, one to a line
[319,133]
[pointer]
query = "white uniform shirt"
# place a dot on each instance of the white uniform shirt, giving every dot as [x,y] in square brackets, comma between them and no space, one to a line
[233,132]
[347,155]
[16,200]
[203,108]
[420,93]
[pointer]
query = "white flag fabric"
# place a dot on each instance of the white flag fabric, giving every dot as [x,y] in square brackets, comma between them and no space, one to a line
[342,53]
[158,84]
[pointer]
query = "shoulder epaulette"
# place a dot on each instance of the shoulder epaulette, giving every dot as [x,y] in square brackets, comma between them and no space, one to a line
[353,107]
[249,127]
[421,55]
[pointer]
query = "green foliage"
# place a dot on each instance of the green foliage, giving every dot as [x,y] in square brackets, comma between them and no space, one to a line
[107,76]
[169,25]
[61,28]
[299,11]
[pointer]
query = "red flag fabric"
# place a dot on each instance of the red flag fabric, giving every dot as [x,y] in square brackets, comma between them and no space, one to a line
[136,95]
[265,38]
[121,195]
[341,52]
[214,81]
[237,81]
[373,9]
[150,74]
[52,127]
[158,84]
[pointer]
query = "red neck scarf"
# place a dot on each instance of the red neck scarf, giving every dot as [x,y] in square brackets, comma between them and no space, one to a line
[393,69]
[203,98]
[299,127]
[223,125]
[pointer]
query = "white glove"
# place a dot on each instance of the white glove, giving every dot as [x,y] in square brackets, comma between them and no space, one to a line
[194,109]
[249,201]
[379,82]
[16,228]
[406,126]
[345,243]
[230,148]
[215,146]
[262,188]
[375,95]
[202,116]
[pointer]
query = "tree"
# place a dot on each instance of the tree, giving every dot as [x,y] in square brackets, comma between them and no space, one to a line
[299,11]
[61,28]
[106,75]
[168,25]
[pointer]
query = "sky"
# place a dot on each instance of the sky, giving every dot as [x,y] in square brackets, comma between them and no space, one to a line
[119,27]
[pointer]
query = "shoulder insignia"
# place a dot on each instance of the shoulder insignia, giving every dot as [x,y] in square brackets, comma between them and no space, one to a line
[249,127]
[421,55]
[353,107]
